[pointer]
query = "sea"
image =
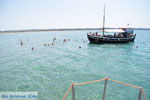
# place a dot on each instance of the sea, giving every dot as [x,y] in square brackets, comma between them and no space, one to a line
[53,65]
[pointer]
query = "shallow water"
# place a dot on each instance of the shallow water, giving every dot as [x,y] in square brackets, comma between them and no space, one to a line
[51,69]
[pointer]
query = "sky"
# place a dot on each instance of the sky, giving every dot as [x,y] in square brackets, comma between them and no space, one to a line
[49,14]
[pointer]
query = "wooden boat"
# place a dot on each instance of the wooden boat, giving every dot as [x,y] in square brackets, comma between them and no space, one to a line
[122,35]
[117,37]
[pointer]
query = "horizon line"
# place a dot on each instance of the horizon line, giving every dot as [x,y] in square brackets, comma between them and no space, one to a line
[65,29]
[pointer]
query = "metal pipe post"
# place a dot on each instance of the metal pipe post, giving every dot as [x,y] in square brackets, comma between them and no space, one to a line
[140,94]
[105,86]
[73,92]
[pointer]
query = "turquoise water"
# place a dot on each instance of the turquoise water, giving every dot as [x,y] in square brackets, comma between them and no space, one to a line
[51,69]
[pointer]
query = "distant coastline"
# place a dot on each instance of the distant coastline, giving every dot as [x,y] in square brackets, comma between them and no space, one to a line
[61,29]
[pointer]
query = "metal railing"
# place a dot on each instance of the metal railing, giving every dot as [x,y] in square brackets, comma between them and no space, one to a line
[72,87]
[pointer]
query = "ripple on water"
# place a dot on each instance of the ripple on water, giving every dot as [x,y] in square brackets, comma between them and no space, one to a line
[51,69]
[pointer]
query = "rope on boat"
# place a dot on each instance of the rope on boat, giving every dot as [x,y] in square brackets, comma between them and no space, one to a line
[74,84]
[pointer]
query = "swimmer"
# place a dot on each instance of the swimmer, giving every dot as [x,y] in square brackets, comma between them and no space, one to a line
[21,43]
[65,40]
[54,39]
[136,46]
[80,47]
[52,43]
[32,48]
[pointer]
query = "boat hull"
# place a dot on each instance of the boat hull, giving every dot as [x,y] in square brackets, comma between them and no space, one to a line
[100,40]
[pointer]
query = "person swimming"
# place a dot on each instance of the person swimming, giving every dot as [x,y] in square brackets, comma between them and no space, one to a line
[21,43]
[54,39]
[65,40]
[32,48]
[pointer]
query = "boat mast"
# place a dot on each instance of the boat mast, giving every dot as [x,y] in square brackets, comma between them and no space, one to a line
[104,20]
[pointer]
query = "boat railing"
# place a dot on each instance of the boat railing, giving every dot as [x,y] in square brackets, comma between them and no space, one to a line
[72,87]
